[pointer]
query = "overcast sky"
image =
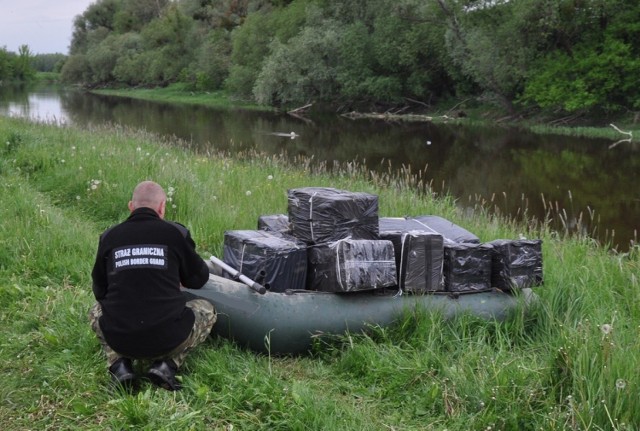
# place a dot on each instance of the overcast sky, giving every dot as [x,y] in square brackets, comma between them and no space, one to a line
[44,25]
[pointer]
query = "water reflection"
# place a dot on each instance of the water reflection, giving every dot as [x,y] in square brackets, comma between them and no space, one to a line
[574,183]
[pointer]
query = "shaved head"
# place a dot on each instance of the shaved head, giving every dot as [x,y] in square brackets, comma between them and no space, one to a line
[150,195]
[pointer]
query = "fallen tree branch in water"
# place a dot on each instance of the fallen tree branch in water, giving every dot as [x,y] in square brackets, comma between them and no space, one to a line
[301,108]
[387,116]
[629,134]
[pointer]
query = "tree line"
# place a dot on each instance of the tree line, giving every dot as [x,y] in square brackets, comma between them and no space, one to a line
[564,56]
[22,66]
[16,67]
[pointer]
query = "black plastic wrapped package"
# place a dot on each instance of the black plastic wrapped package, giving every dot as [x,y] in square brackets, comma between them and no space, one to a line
[275,223]
[351,265]
[419,259]
[430,223]
[516,264]
[320,215]
[276,261]
[467,267]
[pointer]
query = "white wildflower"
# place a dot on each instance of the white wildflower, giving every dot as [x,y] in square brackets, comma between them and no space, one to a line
[606,329]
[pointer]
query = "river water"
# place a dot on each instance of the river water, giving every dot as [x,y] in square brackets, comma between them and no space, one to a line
[577,184]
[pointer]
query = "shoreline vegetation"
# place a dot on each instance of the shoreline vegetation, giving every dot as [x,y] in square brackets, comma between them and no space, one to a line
[570,362]
[622,129]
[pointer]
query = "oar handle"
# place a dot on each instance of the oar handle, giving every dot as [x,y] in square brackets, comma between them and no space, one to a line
[236,274]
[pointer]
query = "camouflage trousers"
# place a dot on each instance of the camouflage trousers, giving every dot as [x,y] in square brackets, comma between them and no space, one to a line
[205,319]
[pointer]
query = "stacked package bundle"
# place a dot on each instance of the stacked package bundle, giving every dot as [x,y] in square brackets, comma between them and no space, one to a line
[351,265]
[275,223]
[467,267]
[516,264]
[277,261]
[321,215]
[419,255]
[449,230]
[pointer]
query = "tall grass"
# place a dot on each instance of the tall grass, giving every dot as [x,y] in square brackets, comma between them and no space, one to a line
[569,362]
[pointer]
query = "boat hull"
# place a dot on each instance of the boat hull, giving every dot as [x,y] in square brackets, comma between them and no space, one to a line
[286,323]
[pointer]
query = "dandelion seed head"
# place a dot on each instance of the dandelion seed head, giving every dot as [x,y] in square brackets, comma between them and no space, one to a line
[270,177]
[248,193]
[621,384]
[606,328]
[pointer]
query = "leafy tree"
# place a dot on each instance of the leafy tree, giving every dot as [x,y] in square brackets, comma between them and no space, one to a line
[22,69]
[608,79]
[494,43]
[76,70]
[599,70]
[102,60]
[169,38]
[101,14]
[302,69]
[250,45]
[6,65]
[356,61]
[48,62]
[212,62]
[130,66]
[134,15]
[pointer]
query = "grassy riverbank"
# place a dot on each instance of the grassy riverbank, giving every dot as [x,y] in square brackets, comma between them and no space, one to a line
[571,363]
[179,93]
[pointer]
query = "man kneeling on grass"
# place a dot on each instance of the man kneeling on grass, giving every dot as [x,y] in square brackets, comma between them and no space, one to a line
[141,312]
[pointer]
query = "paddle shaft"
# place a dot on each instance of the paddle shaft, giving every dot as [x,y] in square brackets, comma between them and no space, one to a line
[237,275]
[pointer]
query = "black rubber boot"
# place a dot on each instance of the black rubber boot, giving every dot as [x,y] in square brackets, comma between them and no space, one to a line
[122,373]
[163,374]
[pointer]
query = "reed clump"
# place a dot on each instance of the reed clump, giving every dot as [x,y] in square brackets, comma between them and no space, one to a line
[567,363]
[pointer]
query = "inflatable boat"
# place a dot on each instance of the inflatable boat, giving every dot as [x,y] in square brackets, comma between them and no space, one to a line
[287,322]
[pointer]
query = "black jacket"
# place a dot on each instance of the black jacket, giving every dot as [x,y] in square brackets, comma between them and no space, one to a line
[139,267]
